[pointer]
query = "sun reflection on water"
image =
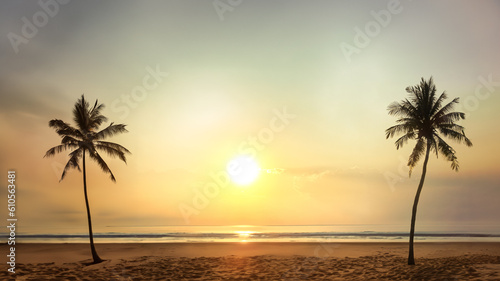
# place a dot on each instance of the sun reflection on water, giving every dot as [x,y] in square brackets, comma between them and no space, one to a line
[244,235]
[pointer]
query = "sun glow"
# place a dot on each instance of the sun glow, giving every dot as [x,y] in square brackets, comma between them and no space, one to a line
[243,170]
[244,235]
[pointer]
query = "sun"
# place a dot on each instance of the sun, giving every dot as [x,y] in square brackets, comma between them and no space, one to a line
[243,170]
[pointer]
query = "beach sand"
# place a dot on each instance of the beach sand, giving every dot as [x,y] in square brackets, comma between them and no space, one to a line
[255,261]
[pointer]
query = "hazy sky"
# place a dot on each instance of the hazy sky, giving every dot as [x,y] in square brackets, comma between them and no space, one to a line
[302,85]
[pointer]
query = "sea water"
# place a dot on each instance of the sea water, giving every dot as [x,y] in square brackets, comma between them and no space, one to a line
[270,233]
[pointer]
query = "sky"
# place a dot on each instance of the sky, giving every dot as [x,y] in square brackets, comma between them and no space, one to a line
[302,87]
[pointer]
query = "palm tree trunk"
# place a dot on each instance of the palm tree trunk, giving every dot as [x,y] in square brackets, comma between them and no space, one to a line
[95,256]
[411,258]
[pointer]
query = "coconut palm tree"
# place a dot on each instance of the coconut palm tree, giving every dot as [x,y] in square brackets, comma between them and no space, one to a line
[84,140]
[422,117]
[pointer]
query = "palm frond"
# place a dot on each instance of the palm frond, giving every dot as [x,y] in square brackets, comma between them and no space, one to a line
[438,103]
[64,129]
[416,94]
[80,114]
[404,109]
[451,126]
[395,108]
[111,130]
[448,152]
[70,141]
[95,116]
[445,109]
[404,139]
[407,120]
[102,164]
[113,150]
[450,118]
[114,146]
[72,162]
[417,152]
[56,149]
[425,94]
[457,136]
[400,128]
[433,144]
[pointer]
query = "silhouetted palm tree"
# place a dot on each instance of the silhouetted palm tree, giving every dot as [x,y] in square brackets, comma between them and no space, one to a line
[86,139]
[423,118]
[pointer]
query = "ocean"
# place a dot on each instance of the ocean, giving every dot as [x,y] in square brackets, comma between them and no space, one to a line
[271,233]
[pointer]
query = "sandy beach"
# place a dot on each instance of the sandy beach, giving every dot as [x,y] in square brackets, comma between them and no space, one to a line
[256,261]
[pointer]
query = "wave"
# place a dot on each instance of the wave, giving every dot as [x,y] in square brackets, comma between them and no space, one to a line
[256,237]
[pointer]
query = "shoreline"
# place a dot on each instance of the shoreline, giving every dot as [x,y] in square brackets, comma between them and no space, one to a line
[74,252]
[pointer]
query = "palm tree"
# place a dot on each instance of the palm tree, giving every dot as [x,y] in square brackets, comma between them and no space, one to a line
[86,139]
[423,118]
